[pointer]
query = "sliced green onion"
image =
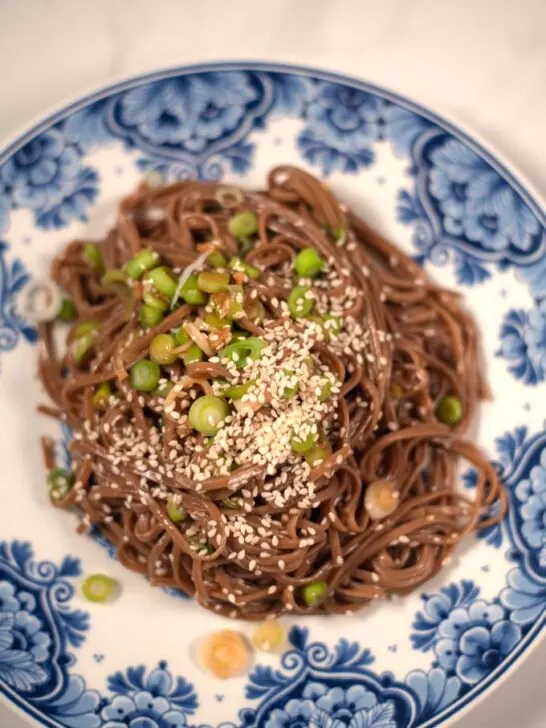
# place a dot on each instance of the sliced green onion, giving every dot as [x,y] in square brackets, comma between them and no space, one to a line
[85,335]
[313,593]
[326,391]
[86,327]
[149,316]
[99,588]
[217,259]
[68,310]
[181,336]
[308,263]
[213,281]
[243,224]
[59,482]
[300,304]
[92,256]
[229,304]
[191,293]
[215,322]
[144,375]
[114,276]
[155,302]
[316,454]
[101,395]
[255,310]
[449,411]
[207,413]
[191,355]
[162,280]
[301,446]
[162,349]
[240,352]
[232,502]
[175,512]
[238,264]
[142,262]
[331,325]
[236,391]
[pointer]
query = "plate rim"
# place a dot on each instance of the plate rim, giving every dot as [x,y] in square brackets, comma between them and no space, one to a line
[459,129]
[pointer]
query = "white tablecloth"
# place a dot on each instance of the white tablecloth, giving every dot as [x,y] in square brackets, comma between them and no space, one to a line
[483,62]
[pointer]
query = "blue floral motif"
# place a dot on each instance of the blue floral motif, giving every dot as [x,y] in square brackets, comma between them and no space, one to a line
[523,343]
[45,176]
[531,494]
[152,701]
[13,276]
[342,124]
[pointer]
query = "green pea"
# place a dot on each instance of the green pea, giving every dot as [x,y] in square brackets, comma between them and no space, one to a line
[191,355]
[299,302]
[59,482]
[243,225]
[314,593]
[175,512]
[236,391]
[149,316]
[101,396]
[155,302]
[207,413]
[241,351]
[144,375]
[143,261]
[213,281]
[93,257]
[163,281]
[449,411]
[99,588]
[238,264]
[162,349]
[217,259]
[68,310]
[302,446]
[191,293]
[308,263]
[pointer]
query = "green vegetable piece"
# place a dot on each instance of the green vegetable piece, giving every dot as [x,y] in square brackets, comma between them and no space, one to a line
[163,389]
[101,396]
[144,375]
[316,454]
[290,391]
[207,412]
[93,257]
[300,304]
[331,325]
[85,335]
[149,316]
[308,263]
[449,411]
[99,588]
[181,336]
[243,225]
[241,351]
[192,355]
[162,349]
[238,264]
[191,293]
[236,391]
[143,261]
[302,446]
[68,310]
[217,259]
[215,322]
[314,593]
[163,280]
[86,327]
[213,281]
[113,277]
[255,310]
[232,502]
[155,302]
[59,482]
[326,391]
[175,512]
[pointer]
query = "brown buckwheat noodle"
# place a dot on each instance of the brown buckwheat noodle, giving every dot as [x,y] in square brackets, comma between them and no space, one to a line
[260,522]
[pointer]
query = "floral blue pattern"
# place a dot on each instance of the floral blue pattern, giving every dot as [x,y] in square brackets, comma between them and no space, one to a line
[463,212]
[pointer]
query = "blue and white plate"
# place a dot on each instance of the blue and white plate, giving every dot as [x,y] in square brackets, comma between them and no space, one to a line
[440,195]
